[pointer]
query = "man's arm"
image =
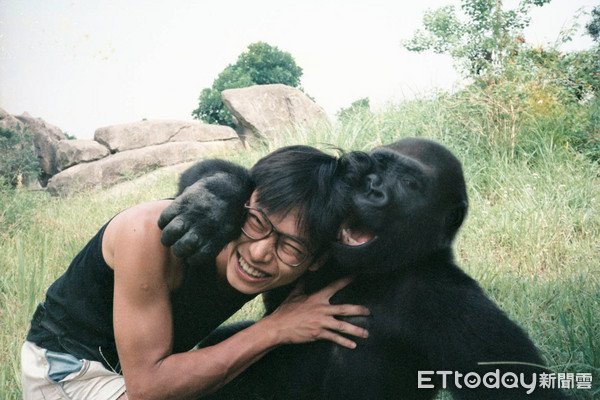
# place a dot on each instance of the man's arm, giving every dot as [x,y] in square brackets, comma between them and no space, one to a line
[145,275]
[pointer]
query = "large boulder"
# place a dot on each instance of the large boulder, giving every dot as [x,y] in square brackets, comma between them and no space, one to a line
[136,135]
[71,152]
[45,138]
[123,165]
[263,112]
[9,122]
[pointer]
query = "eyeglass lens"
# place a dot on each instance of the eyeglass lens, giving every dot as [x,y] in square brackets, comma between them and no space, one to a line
[289,250]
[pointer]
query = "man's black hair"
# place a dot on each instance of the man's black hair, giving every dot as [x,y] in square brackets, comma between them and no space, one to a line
[310,182]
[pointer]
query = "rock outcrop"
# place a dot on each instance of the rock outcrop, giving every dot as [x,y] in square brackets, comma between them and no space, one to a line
[120,152]
[9,122]
[45,138]
[149,133]
[72,152]
[264,112]
[127,164]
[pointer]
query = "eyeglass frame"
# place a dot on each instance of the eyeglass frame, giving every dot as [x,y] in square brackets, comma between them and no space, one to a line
[280,234]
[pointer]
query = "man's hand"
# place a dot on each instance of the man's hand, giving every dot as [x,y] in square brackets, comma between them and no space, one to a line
[302,318]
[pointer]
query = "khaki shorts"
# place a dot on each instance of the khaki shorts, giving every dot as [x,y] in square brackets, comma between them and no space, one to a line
[50,375]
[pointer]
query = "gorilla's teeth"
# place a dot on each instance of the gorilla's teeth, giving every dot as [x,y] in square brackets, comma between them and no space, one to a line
[251,271]
[347,236]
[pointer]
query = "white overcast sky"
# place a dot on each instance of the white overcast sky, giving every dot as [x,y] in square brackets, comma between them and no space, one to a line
[85,64]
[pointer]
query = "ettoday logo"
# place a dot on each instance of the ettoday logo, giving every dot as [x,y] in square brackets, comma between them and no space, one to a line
[471,380]
[506,380]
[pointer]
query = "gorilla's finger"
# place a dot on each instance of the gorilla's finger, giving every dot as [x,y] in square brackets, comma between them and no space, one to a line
[212,247]
[186,245]
[199,258]
[173,231]
[169,213]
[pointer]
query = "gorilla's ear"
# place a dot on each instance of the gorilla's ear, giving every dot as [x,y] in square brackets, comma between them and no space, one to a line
[455,217]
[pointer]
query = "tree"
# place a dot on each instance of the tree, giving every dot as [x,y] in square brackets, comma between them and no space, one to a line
[358,107]
[593,27]
[482,41]
[262,64]
[266,65]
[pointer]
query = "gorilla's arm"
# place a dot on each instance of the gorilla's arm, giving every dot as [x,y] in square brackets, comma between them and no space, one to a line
[208,212]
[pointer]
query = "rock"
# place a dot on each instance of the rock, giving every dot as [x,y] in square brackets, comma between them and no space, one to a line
[52,131]
[45,138]
[148,133]
[199,132]
[172,171]
[71,152]
[123,165]
[263,112]
[9,122]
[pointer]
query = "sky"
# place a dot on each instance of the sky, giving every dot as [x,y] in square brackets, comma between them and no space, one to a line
[81,65]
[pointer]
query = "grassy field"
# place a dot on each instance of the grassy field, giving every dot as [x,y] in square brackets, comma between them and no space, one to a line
[532,236]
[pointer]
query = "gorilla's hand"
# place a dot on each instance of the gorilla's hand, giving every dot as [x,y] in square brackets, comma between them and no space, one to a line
[209,213]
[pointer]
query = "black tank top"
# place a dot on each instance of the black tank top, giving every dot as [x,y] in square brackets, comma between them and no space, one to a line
[77,316]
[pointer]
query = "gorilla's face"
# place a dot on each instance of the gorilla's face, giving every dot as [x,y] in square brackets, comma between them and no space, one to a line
[398,191]
[405,206]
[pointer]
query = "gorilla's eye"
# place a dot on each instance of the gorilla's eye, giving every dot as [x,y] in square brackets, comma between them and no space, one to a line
[410,183]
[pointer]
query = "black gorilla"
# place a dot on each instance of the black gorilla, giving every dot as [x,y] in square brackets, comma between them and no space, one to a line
[431,325]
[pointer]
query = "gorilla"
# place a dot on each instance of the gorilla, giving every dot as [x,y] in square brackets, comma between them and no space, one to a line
[431,325]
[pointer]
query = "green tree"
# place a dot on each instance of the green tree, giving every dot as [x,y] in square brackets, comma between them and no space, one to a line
[266,64]
[482,41]
[593,27]
[358,107]
[262,64]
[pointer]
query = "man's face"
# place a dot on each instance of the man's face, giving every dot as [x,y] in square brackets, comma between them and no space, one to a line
[253,266]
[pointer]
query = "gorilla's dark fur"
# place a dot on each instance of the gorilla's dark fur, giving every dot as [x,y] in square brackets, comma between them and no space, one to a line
[213,209]
[426,313]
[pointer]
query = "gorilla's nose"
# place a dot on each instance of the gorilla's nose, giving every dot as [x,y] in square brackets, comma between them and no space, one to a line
[375,193]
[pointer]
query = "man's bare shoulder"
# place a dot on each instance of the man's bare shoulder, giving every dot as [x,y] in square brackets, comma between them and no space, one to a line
[135,228]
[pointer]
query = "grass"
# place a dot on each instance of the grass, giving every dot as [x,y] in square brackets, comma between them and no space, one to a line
[532,237]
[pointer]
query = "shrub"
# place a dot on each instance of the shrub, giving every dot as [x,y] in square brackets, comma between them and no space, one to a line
[18,164]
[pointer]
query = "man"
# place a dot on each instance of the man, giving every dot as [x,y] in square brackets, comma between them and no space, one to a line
[127,304]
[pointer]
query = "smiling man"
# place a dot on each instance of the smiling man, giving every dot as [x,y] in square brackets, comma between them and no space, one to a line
[120,321]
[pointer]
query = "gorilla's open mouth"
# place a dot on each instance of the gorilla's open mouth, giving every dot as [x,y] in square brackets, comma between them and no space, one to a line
[353,233]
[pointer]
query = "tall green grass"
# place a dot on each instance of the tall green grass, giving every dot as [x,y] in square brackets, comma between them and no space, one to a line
[532,237]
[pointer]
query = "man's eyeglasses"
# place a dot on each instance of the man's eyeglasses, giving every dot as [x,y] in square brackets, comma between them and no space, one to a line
[289,250]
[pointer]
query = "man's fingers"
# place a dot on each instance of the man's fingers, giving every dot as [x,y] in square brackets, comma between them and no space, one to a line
[334,287]
[348,310]
[346,327]
[339,339]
